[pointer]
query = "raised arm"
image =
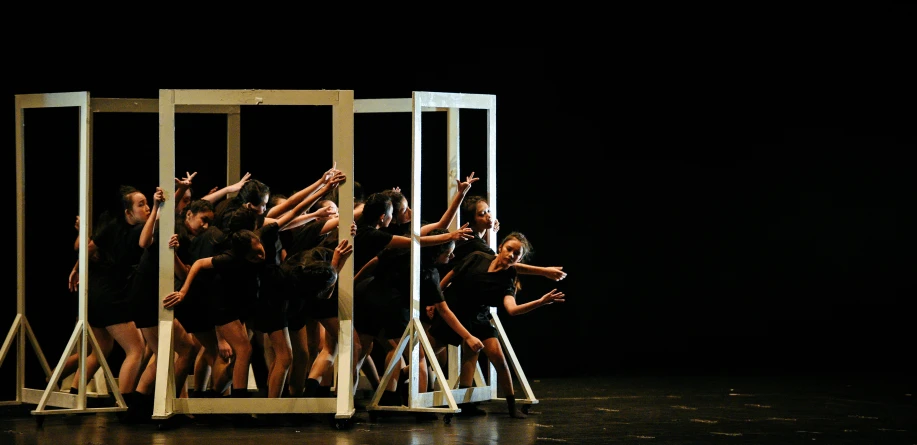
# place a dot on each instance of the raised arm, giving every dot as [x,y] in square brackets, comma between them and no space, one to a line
[213,197]
[460,191]
[322,212]
[330,179]
[182,185]
[404,242]
[287,216]
[146,234]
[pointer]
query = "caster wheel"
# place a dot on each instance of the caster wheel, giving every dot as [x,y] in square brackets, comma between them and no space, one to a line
[342,424]
[525,409]
[39,421]
[447,418]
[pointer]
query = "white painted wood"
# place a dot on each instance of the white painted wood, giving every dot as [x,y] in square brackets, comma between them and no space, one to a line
[403,105]
[456,100]
[453,159]
[81,335]
[513,361]
[342,102]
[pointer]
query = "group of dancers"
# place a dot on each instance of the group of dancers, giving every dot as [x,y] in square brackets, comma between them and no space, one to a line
[256,275]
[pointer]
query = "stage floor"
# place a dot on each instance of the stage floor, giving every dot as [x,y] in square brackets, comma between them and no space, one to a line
[589,410]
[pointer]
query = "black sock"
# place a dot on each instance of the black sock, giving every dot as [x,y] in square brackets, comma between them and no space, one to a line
[323,391]
[74,390]
[311,388]
[513,411]
[239,393]
[390,398]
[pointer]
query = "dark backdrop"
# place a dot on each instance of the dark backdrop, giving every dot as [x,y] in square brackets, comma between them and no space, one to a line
[729,209]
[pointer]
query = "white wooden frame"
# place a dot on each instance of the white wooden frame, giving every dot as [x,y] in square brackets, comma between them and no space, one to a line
[165,403]
[414,334]
[82,336]
[102,379]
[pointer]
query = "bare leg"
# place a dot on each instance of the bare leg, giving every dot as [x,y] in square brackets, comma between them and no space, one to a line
[283,359]
[128,336]
[186,350]
[92,360]
[235,333]
[494,353]
[148,376]
[204,361]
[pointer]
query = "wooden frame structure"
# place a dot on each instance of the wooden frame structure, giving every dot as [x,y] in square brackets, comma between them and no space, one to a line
[81,337]
[342,103]
[103,379]
[229,102]
[414,336]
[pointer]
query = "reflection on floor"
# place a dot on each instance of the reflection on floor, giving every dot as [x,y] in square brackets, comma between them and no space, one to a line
[588,410]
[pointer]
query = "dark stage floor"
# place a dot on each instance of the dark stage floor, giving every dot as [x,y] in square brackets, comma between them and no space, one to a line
[592,410]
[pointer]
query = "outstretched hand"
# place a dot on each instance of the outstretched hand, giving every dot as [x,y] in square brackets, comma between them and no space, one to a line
[555,273]
[553,296]
[326,177]
[463,233]
[326,212]
[186,181]
[238,186]
[337,178]
[464,186]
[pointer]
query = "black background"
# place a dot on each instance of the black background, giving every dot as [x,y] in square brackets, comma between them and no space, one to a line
[721,206]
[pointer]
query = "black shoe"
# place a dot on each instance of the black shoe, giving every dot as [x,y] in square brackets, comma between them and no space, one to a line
[470,410]
[174,422]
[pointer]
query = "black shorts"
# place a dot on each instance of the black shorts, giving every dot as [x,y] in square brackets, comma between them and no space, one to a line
[380,321]
[477,324]
[109,311]
[270,315]
[229,303]
[144,295]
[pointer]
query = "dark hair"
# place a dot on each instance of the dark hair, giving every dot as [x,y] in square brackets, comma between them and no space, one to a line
[527,249]
[276,198]
[242,241]
[198,206]
[253,192]
[113,213]
[376,205]
[397,199]
[243,218]
[469,208]
[429,254]
[310,272]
